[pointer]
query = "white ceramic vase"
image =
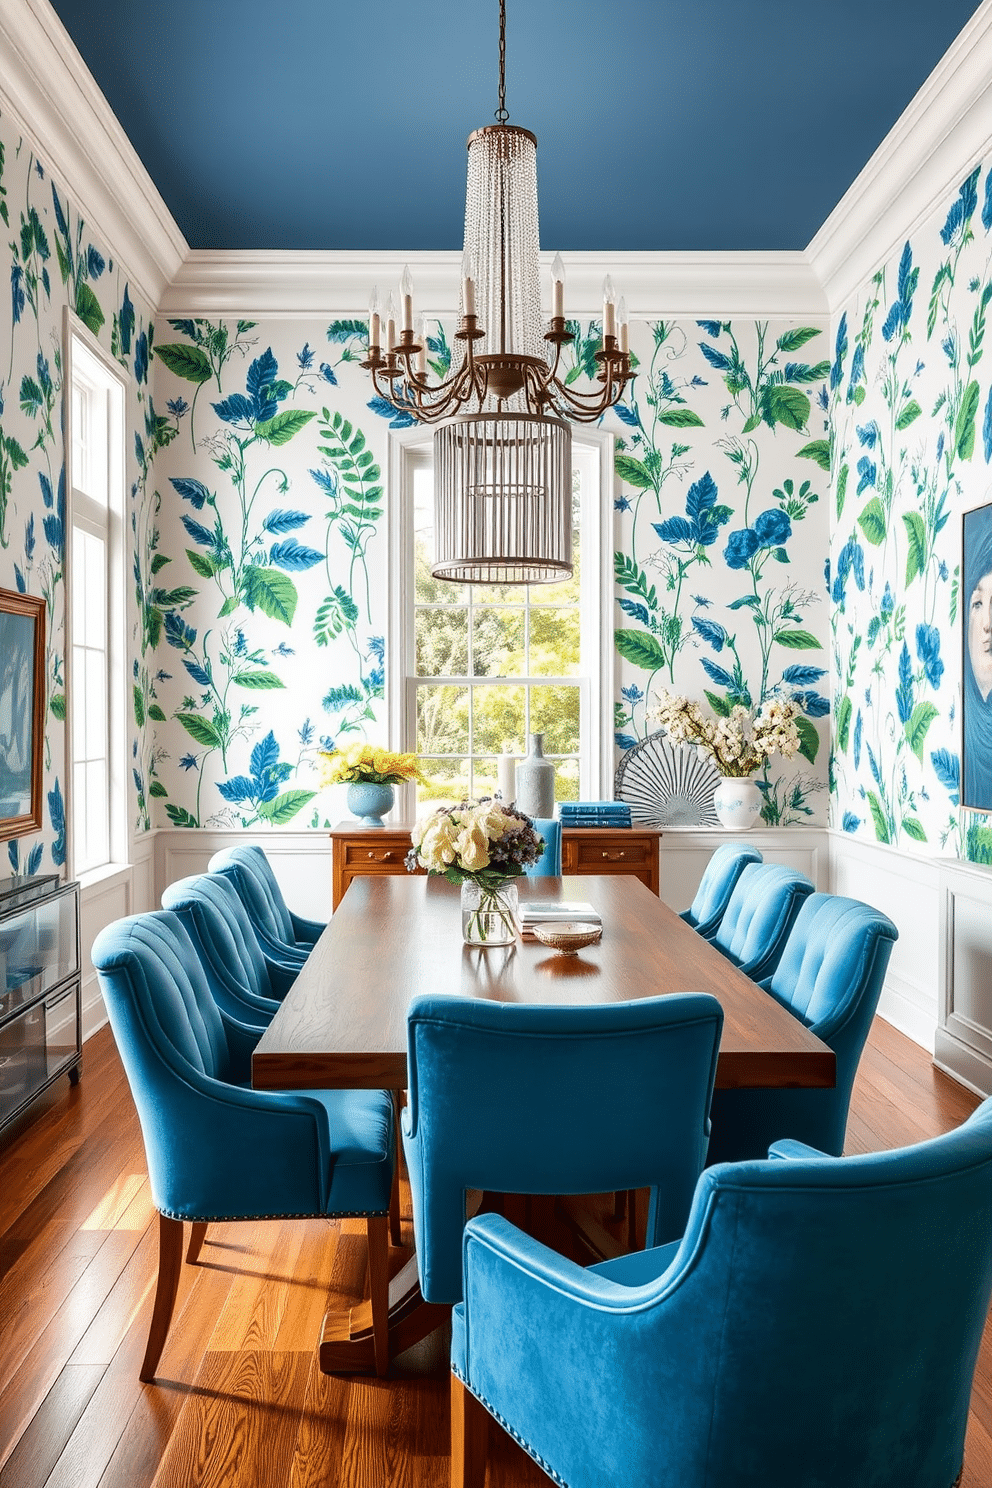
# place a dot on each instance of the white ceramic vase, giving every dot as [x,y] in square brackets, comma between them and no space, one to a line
[737,803]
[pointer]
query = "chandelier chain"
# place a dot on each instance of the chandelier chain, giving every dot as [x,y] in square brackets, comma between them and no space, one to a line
[502,114]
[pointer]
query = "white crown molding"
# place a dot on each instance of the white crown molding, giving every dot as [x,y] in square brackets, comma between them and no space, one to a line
[280,285]
[945,130]
[49,90]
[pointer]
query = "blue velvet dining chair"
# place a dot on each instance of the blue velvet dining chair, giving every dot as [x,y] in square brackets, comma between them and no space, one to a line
[216,1149]
[243,978]
[717,884]
[548,864]
[829,977]
[553,1100]
[282,933]
[816,1327]
[756,922]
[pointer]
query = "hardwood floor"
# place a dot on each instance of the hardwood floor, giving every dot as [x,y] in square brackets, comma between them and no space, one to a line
[240,1402]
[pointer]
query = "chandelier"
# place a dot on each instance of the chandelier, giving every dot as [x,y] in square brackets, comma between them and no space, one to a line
[503,445]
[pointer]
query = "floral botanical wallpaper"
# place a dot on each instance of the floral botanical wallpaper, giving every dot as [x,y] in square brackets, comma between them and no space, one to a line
[54,259]
[264,574]
[723,459]
[911,414]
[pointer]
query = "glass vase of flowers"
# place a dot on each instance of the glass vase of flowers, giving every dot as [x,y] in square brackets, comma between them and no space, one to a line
[484,846]
[370,774]
[738,745]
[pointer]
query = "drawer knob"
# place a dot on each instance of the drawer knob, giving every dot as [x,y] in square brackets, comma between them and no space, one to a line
[613,856]
[380,857]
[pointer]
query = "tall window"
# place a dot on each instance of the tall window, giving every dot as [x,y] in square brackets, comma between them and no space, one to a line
[488,665]
[96,609]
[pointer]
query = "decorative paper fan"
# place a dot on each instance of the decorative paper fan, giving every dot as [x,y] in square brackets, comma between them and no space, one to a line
[667,785]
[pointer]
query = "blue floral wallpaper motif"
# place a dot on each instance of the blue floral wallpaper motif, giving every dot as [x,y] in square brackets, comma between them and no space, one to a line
[265,596]
[911,414]
[723,460]
[265,601]
[52,260]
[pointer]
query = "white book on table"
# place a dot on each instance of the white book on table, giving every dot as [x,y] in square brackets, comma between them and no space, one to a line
[533,911]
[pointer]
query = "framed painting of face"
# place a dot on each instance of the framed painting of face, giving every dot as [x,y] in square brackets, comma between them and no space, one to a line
[976,662]
[22,712]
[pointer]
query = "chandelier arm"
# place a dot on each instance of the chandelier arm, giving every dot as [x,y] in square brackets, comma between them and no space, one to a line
[587,407]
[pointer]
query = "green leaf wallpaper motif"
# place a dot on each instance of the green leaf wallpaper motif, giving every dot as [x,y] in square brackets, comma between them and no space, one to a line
[720,535]
[911,418]
[54,261]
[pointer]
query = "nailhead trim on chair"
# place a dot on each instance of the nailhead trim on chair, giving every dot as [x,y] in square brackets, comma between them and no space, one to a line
[544,1466]
[307,1214]
[540,1460]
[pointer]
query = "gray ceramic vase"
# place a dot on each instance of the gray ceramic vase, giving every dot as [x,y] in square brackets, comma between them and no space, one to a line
[536,781]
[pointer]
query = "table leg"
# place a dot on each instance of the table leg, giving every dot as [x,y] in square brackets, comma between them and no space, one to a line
[347,1345]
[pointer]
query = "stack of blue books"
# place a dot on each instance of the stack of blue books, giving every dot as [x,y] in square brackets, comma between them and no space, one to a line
[594,814]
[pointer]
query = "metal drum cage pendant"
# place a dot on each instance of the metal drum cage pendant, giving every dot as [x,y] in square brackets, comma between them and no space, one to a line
[503,499]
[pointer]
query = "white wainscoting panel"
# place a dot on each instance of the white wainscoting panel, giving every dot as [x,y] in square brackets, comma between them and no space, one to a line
[907,889]
[301,862]
[963,1046]
[685,851]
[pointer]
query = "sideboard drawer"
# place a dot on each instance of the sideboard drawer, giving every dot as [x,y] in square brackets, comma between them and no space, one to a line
[597,856]
[382,858]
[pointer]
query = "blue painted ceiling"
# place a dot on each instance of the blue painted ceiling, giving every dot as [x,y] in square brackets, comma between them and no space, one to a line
[662,124]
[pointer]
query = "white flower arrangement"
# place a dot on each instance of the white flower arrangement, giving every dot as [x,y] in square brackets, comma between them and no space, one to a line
[740,743]
[481,841]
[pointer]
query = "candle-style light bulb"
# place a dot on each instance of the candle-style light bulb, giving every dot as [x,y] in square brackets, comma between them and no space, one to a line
[622,323]
[406,300]
[375,318]
[468,283]
[557,288]
[391,322]
[609,308]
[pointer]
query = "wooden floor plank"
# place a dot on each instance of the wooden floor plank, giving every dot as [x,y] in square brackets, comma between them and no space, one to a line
[75,1307]
[241,1423]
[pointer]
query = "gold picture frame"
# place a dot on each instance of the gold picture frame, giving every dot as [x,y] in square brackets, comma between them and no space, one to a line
[22,712]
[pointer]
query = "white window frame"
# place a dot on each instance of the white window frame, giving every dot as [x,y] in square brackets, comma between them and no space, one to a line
[409,448]
[88,365]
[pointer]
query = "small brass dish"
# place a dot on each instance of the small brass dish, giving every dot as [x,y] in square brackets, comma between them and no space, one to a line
[569,936]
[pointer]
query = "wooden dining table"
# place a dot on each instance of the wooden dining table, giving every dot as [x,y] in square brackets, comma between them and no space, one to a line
[343,1022]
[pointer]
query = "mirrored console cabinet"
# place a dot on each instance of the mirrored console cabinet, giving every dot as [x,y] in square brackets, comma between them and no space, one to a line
[39,989]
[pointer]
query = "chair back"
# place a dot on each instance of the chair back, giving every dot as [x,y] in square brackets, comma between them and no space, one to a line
[761,912]
[818,1326]
[553,1100]
[250,872]
[717,884]
[548,864]
[853,1297]
[236,967]
[830,976]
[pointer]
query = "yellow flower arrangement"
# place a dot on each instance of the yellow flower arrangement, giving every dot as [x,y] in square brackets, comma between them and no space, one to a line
[367,762]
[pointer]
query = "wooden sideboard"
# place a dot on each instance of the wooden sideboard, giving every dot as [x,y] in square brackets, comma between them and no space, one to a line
[358,849]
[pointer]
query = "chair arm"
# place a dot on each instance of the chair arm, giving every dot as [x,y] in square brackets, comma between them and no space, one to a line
[521,1255]
[278,950]
[282,975]
[306,930]
[789,1150]
[574,1362]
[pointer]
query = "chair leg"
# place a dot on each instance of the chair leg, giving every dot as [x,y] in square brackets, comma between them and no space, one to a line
[394,1194]
[197,1235]
[378,1228]
[170,1264]
[469,1437]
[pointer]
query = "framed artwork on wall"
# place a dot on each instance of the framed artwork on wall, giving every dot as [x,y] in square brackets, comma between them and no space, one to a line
[22,712]
[976,661]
